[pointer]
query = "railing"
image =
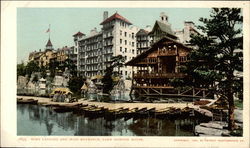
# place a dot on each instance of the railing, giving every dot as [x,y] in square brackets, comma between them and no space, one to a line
[108,36]
[167,52]
[107,27]
[159,75]
[148,61]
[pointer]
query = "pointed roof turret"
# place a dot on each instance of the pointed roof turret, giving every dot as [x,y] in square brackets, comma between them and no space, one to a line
[49,43]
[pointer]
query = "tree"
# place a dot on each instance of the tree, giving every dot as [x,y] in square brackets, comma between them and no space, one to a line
[35,79]
[108,83]
[118,61]
[53,66]
[71,66]
[32,67]
[21,69]
[213,64]
[75,83]
[43,72]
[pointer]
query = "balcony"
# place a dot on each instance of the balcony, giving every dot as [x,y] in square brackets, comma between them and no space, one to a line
[167,52]
[148,61]
[108,36]
[159,75]
[107,27]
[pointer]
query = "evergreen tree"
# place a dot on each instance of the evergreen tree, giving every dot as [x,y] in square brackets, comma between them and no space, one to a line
[75,83]
[71,66]
[214,63]
[108,83]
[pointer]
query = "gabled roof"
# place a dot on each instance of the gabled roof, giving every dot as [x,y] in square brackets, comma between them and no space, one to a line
[154,47]
[48,43]
[116,16]
[165,28]
[142,32]
[78,34]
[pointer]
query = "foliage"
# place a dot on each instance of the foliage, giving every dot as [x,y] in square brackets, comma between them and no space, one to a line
[52,67]
[108,83]
[32,67]
[213,64]
[107,80]
[21,69]
[238,104]
[176,82]
[43,72]
[75,83]
[71,67]
[35,79]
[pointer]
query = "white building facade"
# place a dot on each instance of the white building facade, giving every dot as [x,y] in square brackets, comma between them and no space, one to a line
[117,37]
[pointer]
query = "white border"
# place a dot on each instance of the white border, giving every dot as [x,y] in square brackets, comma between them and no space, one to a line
[8,78]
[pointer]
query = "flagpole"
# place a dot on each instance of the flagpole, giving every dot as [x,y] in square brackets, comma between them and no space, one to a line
[49,31]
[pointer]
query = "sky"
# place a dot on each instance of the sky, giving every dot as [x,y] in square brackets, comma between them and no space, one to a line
[32,23]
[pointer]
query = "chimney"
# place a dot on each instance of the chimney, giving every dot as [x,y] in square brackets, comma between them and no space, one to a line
[189,24]
[105,15]
[164,17]
[148,28]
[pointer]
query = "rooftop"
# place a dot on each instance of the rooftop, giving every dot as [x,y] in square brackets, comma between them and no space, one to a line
[78,34]
[154,47]
[116,16]
[48,43]
[164,27]
[142,32]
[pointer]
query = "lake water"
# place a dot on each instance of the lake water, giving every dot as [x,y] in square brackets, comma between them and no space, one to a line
[35,120]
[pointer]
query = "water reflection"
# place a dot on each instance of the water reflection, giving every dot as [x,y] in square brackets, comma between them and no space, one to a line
[39,120]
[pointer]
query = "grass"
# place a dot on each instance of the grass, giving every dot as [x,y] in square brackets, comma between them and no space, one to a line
[238,104]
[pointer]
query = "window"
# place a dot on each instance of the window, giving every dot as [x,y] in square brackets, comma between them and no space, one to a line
[125,34]
[120,49]
[133,35]
[120,41]
[133,51]
[120,32]
[183,58]
[125,42]
[125,49]
[133,44]
[126,73]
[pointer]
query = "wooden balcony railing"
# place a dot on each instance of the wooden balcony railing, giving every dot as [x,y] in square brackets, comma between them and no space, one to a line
[167,52]
[159,75]
[148,61]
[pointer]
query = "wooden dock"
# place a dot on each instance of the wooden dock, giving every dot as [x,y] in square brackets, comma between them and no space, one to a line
[112,111]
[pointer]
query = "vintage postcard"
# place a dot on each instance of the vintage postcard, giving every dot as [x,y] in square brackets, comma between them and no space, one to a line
[125,74]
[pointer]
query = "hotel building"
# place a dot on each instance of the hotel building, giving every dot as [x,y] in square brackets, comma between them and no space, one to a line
[117,37]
